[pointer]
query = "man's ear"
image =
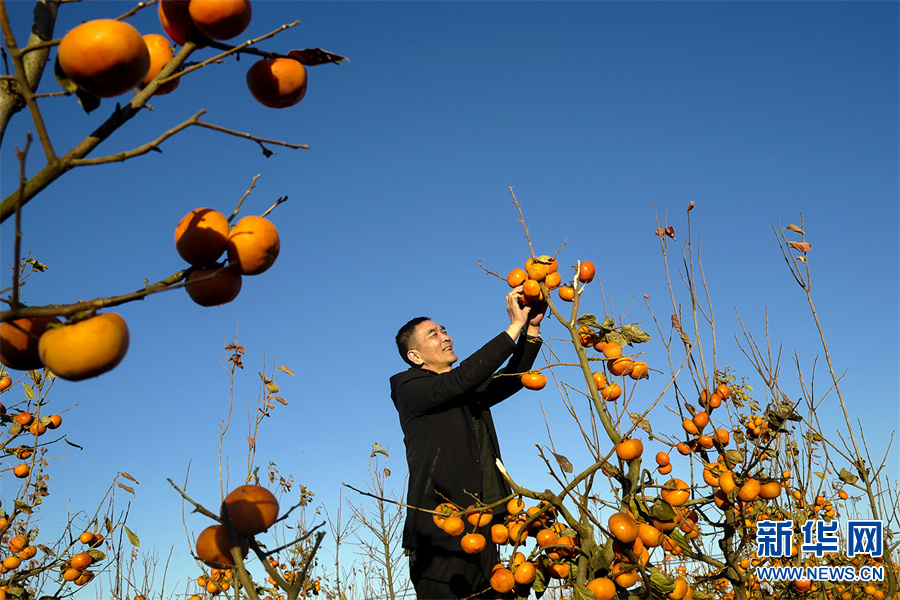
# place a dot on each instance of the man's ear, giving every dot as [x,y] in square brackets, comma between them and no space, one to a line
[414,358]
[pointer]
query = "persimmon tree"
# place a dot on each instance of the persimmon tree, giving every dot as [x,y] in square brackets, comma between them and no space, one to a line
[634,524]
[90,64]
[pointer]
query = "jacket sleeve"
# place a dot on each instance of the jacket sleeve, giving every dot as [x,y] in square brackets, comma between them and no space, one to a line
[500,388]
[421,392]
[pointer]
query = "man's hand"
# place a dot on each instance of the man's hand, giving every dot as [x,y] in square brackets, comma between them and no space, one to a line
[518,316]
[536,311]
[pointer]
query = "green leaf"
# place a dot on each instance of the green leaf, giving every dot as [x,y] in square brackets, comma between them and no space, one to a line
[132,537]
[615,336]
[29,391]
[679,539]
[634,334]
[608,323]
[848,477]
[819,474]
[587,319]
[377,449]
[582,593]
[662,510]
[659,582]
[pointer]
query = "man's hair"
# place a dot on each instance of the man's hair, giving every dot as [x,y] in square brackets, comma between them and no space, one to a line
[405,338]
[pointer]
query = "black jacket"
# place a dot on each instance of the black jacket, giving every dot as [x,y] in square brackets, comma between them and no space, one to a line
[436,414]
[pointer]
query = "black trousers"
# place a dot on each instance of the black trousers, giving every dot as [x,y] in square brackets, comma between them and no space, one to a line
[440,575]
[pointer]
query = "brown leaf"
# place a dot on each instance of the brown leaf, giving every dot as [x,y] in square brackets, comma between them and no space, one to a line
[251,442]
[794,228]
[279,399]
[316,56]
[284,369]
[564,463]
[642,422]
[670,231]
[800,246]
[690,206]
[125,487]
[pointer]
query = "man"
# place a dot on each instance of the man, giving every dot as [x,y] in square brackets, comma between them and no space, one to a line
[451,445]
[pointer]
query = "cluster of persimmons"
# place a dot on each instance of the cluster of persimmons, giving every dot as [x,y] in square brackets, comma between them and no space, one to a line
[740,486]
[108,57]
[92,345]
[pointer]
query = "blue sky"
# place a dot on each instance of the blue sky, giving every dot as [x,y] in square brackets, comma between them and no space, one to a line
[600,115]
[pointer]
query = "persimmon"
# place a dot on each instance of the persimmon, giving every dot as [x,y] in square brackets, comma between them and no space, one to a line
[676,492]
[201,236]
[517,532]
[611,392]
[603,588]
[524,573]
[715,401]
[502,580]
[665,469]
[749,491]
[689,426]
[161,53]
[701,420]
[213,286]
[85,349]
[516,277]
[499,533]
[71,574]
[253,245]
[86,538]
[629,449]
[599,379]
[622,527]
[531,288]
[252,509]
[479,517]
[454,526]
[681,588]
[705,441]
[639,370]
[566,293]
[54,421]
[770,490]
[726,482]
[175,18]
[546,537]
[221,19]
[22,471]
[624,575]
[683,448]
[213,547]
[515,506]
[104,57]
[649,535]
[586,271]
[843,495]
[277,82]
[5,383]
[662,458]
[17,543]
[473,543]
[534,380]
[621,366]
[19,342]
[722,436]
[37,428]
[724,391]
[536,270]
[28,552]
[444,510]
[24,418]
[558,570]
[81,561]
[552,280]
[612,350]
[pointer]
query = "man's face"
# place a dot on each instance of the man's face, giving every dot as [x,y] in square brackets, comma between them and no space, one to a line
[433,348]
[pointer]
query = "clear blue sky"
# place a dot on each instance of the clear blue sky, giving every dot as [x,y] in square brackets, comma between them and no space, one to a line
[600,115]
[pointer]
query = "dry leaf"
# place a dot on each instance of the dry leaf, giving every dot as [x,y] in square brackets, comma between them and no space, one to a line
[793,227]
[800,246]
[284,369]
[690,206]
[642,422]
[564,463]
